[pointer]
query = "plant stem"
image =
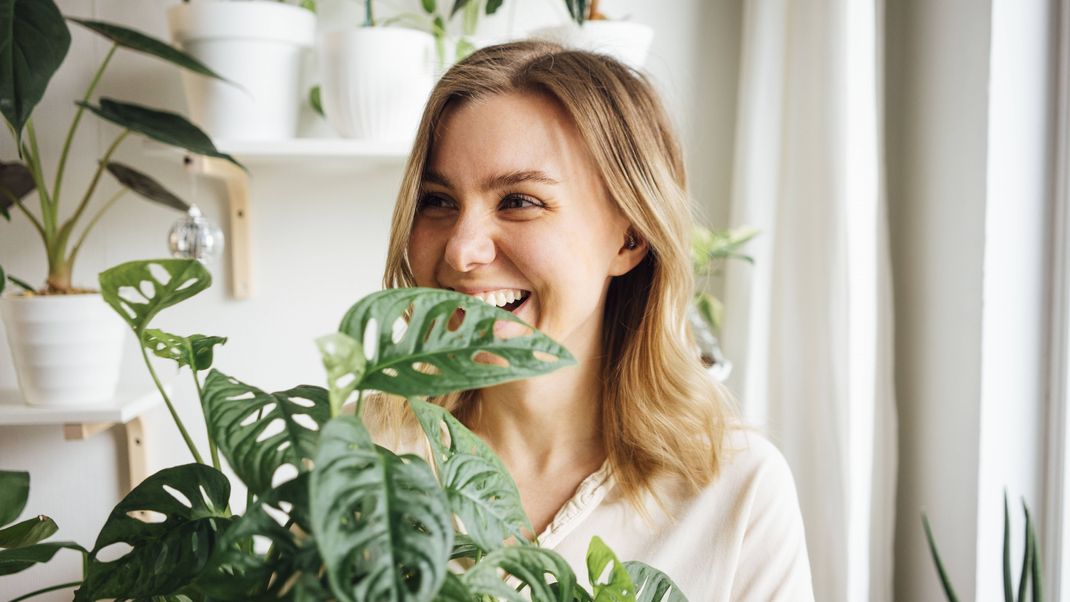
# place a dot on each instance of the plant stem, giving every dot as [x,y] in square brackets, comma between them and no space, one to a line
[100,213]
[170,406]
[50,588]
[360,405]
[369,19]
[33,220]
[48,214]
[74,124]
[212,449]
[69,224]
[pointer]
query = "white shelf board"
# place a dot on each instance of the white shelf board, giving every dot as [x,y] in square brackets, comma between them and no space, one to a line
[129,403]
[253,152]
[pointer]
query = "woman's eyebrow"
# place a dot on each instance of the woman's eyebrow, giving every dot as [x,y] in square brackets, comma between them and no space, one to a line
[500,181]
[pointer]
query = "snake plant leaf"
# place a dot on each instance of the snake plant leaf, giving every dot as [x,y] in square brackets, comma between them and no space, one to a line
[1008,580]
[454,590]
[945,581]
[14,490]
[138,290]
[196,350]
[19,559]
[343,357]
[162,126]
[651,585]
[1034,565]
[3,284]
[433,356]
[578,10]
[27,532]
[613,586]
[479,488]
[135,40]
[16,181]
[528,564]
[381,522]
[259,432]
[145,186]
[35,42]
[164,556]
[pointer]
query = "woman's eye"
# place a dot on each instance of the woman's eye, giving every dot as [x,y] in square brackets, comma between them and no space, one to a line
[519,201]
[434,201]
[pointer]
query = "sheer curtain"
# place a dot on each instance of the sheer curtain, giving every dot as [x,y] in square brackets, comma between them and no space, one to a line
[809,325]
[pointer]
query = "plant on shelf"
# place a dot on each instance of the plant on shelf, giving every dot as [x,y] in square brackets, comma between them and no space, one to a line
[1031,578]
[443,26]
[710,249]
[37,43]
[349,520]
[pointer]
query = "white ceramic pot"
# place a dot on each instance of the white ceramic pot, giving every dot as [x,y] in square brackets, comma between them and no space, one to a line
[623,40]
[67,348]
[376,80]
[258,46]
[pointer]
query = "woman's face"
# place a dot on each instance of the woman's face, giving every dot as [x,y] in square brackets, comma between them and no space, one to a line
[512,210]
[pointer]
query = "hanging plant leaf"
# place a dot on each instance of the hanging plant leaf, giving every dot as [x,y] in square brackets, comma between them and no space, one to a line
[29,531]
[196,350]
[135,40]
[138,290]
[531,566]
[493,6]
[430,358]
[315,100]
[14,490]
[146,186]
[245,423]
[651,585]
[616,586]
[19,559]
[16,181]
[429,6]
[343,357]
[381,522]
[162,126]
[166,555]
[479,488]
[35,42]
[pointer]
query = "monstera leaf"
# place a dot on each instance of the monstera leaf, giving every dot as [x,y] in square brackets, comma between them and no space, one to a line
[612,586]
[344,359]
[530,566]
[196,350]
[135,40]
[651,585]
[454,590]
[478,486]
[419,352]
[138,290]
[380,520]
[166,555]
[244,421]
[35,41]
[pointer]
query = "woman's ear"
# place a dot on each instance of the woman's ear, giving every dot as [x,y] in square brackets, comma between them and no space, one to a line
[631,252]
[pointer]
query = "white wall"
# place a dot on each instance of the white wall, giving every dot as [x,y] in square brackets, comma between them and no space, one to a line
[318,232]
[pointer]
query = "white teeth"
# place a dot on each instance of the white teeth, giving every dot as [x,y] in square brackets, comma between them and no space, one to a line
[500,297]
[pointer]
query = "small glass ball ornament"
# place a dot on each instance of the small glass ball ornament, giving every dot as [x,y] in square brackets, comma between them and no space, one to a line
[195,237]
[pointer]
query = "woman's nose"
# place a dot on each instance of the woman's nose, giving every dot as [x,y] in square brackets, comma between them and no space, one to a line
[471,244]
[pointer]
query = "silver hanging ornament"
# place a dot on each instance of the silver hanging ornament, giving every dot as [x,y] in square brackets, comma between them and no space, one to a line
[195,237]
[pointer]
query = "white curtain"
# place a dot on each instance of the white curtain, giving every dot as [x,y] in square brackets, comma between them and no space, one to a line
[809,325]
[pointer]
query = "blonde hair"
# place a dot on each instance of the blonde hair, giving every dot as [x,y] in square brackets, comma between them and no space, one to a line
[662,413]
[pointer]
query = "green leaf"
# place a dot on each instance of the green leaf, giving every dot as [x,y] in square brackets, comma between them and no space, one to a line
[479,488]
[454,590]
[3,283]
[162,126]
[35,42]
[711,310]
[609,579]
[380,520]
[309,5]
[464,547]
[493,6]
[241,419]
[166,555]
[14,490]
[315,100]
[457,6]
[578,10]
[430,358]
[29,531]
[146,186]
[949,591]
[464,48]
[138,290]
[16,181]
[19,559]
[651,585]
[135,40]
[1035,563]
[429,6]
[343,357]
[26,286]
[528,564]
[1008,579]
[196,350]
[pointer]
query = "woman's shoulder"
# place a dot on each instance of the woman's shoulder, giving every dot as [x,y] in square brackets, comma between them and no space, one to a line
[747,454]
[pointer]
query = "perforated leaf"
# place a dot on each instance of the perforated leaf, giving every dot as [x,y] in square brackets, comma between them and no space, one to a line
[27,532]
[138,290]
[195,350]
[430,358]
[14,490]
[530,565]
[259,432]
[609,579]
[480,490]
[343,357]
[454,590]
[651,585]
[165,555]
[380,520]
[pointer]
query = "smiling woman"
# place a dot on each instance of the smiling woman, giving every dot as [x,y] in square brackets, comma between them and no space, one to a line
[549,182]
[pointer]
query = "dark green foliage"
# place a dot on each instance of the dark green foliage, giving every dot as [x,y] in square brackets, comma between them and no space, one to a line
[146,186]
[35,41]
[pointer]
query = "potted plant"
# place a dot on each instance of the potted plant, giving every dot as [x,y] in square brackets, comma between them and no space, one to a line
[256,44]
[590,29]
[66,345]
[356,522]
[709,250]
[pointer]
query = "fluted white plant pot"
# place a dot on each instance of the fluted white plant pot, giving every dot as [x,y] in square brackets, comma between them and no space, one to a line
[257,45]
[623,40]
[67,348]
[376,80]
